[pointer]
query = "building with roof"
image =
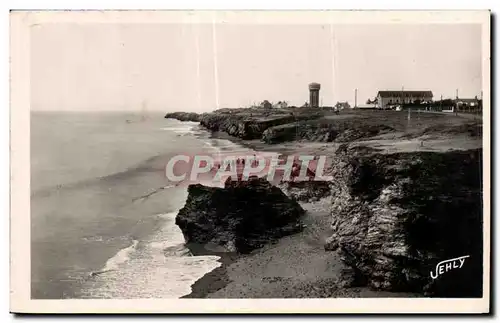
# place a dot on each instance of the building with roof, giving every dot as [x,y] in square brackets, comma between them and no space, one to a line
[388,99]
[468,104]
[266,104]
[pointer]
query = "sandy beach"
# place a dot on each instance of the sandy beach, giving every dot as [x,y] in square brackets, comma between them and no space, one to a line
[296,266]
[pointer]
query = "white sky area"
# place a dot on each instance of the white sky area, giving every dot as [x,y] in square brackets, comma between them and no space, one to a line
[201,67]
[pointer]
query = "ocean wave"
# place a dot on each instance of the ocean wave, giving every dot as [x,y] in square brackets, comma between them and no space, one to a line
[160,265]
[120,258]
[157,267]
[191,129]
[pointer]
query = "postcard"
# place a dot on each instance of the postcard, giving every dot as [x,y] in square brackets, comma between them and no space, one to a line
[250,161]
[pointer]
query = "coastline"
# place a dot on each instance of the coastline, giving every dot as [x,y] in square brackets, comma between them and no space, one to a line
[304,265]
[215,279]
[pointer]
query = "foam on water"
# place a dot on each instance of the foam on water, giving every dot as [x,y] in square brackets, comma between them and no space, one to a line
[157,267]
[182,128]
[120,258]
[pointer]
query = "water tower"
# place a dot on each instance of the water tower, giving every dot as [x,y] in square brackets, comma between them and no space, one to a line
[314,94]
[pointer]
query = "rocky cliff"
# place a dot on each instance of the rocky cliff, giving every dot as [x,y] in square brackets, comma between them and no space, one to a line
[240,217]
[321,125]
[184,116]
[306,191]
[324,130]
[396,212]
[249,125]
[396,216]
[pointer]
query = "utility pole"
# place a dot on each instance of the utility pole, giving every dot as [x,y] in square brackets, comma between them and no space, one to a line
[441,104]
[402,105]
[355,98]
[480,107]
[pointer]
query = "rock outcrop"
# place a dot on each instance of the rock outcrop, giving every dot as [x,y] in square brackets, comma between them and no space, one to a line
[396,216]
[306,191]
[249,125]
[184,116]
[241,217]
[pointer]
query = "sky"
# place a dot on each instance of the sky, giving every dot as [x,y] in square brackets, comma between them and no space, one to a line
[202,67]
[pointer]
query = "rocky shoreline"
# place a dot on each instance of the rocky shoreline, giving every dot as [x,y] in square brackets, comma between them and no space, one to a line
[240,217]
[404,198]
[395,216]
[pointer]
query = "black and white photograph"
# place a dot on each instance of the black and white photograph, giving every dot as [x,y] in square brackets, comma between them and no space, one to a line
[259,160]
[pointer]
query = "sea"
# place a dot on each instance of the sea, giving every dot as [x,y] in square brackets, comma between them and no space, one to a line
[102,210]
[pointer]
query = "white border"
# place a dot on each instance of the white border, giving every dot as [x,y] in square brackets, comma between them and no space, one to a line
[20,193]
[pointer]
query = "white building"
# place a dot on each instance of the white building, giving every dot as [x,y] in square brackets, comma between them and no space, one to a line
[468,105]
[387,99]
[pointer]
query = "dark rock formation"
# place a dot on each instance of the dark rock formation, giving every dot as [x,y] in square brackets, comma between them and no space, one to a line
[325,131]
[306,191]
[395,217]
[249,124]
[241,217]
[184,116]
